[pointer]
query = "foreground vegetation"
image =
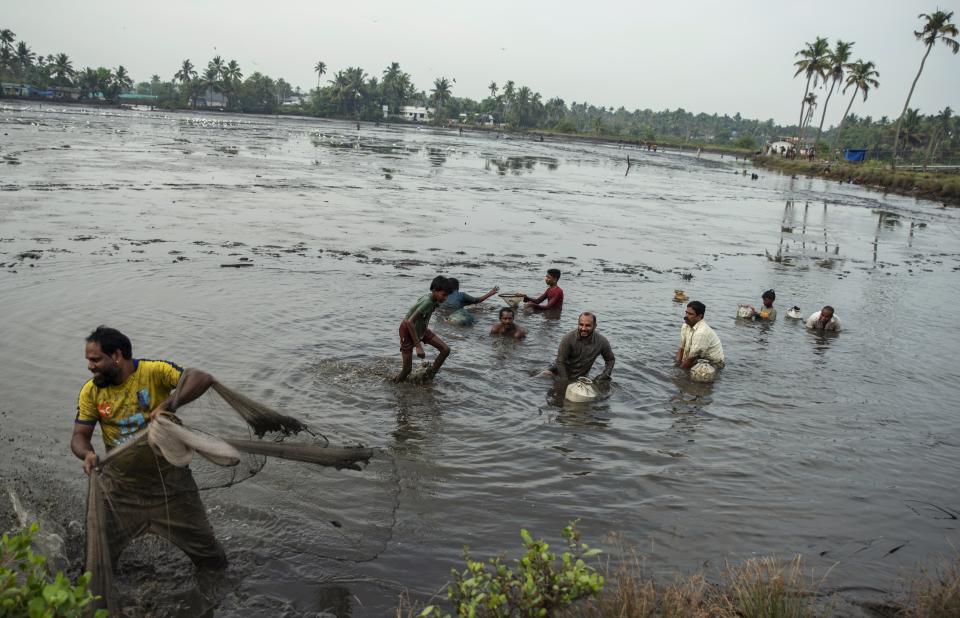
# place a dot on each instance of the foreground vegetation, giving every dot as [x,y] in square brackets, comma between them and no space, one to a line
[942,186]
[758,588]
[28,589]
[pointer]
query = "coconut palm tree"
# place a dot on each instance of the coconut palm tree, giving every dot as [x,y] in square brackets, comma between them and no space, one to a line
[25,57]
[838,59]
[319,68]
[7,37]
[63,69]
[119,82]
[493,90]
[811,102]
[394,86]
[936,27]
[210,81]
[217,64]
[231,81]
[813,63]
[862,76]
[186,72]
[941,126]
[440,94]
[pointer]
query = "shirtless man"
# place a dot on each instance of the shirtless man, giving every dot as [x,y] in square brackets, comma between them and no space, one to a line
[506,326]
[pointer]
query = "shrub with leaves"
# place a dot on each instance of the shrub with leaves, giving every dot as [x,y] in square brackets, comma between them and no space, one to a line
[26,589]
[536,585]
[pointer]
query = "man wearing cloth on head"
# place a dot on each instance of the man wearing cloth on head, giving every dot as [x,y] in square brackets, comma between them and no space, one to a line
[697,339]
[142,491]
[580,348]
[824,320]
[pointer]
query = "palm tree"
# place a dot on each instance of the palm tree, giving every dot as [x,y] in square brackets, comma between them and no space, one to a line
[63,69]
[813,63]
[231,80]
[319,68]
[217,64]
[87,82]
[811,102]
[493,90]
[7,37]
[839,61]
[937,27]
[25,57]
[440,93]
[186,72]
[941,127]
[120,83]
[210,81]
[862,76]
[394,86]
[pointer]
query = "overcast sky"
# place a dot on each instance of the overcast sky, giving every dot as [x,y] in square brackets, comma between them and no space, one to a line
[705,56]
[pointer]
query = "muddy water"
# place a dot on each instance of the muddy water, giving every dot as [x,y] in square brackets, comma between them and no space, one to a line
[843,449]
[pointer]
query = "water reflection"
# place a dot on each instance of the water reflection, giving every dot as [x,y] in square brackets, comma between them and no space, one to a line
[804,235]
[436,156]
[519,164]
[418,417]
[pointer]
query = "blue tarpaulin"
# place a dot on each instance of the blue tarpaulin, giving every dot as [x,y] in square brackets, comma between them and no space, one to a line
[856,156]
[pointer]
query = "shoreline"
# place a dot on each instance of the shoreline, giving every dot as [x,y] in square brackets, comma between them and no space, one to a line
[943,187]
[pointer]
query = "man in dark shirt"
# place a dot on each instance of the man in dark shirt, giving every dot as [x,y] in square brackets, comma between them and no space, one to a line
[580,348]
[553,294]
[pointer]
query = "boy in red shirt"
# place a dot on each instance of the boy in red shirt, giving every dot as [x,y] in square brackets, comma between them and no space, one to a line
[553,294]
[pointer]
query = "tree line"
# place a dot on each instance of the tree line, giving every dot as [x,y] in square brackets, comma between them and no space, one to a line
[352,93]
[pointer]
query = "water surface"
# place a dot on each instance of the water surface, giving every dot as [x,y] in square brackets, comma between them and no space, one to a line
[842,449]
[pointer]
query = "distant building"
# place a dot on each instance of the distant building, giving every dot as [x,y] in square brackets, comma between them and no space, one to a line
[781,146]
[293,100]
[415,113]
[14,90]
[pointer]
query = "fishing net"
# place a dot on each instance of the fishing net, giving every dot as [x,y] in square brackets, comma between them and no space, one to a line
[220,436]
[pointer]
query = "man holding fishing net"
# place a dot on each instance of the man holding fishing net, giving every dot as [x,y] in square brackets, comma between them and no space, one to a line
[142,492]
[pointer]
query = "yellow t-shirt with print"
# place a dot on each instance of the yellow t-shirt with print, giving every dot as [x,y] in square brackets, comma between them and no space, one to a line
[123,409]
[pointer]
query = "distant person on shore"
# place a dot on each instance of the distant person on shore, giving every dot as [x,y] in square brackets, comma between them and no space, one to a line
[552,297]
[824,320]
[579,349]
[457,301]
[697,339]
[414,332]
[766,312]
[507,326]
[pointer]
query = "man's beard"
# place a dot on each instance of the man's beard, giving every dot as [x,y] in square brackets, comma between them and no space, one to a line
[106,378]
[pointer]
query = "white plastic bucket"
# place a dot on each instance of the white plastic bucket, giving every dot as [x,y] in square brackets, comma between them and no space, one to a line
[581,390]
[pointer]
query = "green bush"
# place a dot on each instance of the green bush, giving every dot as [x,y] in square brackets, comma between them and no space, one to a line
[26,589]
[536,586]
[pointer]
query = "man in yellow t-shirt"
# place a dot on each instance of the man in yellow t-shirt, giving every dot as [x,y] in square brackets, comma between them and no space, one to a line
[142,491]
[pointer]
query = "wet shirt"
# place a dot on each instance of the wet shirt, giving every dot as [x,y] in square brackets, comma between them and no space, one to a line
[123,409]
[577,355]
[419,314]
[814,322]
[458,300]
[554,297]
[699,341]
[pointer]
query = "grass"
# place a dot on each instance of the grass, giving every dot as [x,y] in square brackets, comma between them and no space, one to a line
[758,588]
[943,186]
[935,594]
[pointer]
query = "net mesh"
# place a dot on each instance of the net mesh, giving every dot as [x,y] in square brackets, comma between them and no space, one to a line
[221,437]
